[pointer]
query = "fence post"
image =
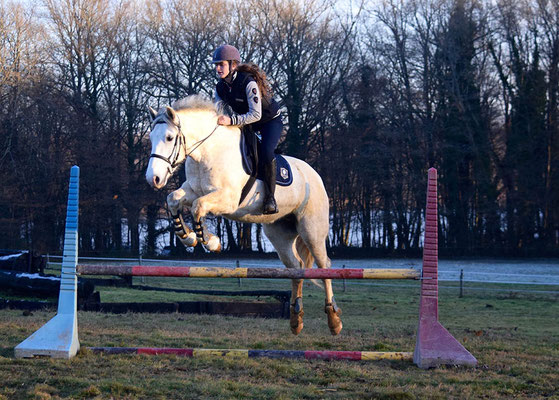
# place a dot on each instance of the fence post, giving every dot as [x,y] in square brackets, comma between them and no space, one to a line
[343,267]
[143,279]
[461,283]
[239,279]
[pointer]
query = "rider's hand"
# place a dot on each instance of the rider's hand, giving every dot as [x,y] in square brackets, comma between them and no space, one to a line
[223,120]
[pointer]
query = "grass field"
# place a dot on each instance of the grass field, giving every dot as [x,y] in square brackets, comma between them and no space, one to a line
[513,334]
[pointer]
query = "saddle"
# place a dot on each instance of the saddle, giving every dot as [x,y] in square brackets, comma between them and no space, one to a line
[250,144]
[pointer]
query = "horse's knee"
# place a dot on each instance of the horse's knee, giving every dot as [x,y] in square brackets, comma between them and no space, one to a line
[334,321]
[173,201]
[296,314]
[198,210]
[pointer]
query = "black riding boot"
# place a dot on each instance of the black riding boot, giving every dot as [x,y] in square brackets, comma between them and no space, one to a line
[270,206]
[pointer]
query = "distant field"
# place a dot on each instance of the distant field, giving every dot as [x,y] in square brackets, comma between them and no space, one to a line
[514,335]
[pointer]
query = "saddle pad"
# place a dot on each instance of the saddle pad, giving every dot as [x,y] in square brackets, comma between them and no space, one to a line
[284,176]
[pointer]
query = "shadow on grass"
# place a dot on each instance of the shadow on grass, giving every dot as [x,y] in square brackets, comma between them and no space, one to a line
[7,352]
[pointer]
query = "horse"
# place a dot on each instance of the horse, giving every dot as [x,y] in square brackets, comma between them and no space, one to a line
[188,130]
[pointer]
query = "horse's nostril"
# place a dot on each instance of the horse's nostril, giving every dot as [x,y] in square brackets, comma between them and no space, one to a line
[156,180]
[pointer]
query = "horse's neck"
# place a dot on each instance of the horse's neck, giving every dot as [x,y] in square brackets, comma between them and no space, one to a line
[223,142]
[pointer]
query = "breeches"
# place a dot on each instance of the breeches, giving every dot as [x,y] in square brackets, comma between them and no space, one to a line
[271,133]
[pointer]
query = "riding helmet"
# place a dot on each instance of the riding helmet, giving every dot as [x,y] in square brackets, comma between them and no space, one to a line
[226,52]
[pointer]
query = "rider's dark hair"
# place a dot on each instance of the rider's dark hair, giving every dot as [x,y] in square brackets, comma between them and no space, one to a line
[258,75]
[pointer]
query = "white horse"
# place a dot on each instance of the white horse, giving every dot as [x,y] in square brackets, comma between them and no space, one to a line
[215,179]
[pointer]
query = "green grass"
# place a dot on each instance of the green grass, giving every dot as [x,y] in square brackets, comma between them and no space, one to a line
[513,334]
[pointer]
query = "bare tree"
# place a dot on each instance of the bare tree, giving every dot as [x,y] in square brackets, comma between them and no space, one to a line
[21,53]
[546,19]
[307,52]
[183,36]
[125,99]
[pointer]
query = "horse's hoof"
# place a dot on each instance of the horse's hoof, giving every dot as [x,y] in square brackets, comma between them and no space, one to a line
[334,321]
[296,320]
[213,244]
[189,240]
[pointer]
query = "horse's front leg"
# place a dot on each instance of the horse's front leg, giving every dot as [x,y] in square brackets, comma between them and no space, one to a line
[176,200]
[218,203]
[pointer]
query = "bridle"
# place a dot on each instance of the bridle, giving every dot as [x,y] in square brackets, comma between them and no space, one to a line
[180,142]
[172,160]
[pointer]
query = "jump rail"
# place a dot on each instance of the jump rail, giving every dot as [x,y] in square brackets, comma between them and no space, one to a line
[268,273]
[434,345]
[238,353]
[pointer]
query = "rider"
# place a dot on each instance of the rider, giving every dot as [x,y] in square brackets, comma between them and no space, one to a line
[245,88]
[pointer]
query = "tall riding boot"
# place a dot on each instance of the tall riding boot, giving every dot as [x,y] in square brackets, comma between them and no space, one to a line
[270,206]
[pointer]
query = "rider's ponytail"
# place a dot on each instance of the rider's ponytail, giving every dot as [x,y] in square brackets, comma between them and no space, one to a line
[259,76]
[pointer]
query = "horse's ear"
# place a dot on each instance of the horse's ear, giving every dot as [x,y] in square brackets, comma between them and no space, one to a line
[172,114]
[152,112]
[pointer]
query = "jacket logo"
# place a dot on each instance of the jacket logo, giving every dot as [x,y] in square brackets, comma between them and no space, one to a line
[240,100]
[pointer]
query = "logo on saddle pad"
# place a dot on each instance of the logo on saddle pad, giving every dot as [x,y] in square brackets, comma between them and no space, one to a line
[284,173]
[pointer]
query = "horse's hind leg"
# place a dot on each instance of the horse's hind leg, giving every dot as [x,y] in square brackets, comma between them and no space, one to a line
[314,234]
[283,237]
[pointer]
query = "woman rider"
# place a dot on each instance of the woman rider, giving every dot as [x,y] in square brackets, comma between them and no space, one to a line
[244,87]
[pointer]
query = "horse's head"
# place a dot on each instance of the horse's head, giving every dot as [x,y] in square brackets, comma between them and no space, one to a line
[167,146]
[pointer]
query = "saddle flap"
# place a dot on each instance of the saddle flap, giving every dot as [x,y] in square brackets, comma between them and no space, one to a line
[247,150]
[249,154]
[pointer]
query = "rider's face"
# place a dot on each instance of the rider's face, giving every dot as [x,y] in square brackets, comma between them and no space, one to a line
[222,69]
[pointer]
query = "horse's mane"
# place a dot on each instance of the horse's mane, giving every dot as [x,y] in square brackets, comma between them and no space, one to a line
[194,102]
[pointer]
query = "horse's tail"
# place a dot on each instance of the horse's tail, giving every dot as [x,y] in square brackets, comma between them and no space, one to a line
[304,253]
[306,257]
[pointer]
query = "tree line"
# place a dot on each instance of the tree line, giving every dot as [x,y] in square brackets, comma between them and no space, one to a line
[372,93]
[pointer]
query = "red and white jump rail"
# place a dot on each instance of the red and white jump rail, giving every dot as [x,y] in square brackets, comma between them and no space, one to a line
[434,346]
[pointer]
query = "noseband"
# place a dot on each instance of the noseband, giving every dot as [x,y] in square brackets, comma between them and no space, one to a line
[179,142]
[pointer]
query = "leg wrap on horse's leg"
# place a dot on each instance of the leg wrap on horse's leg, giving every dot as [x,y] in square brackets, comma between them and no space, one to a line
[296,316]
[210,241]
[201,231]
[333,312]
[183,232]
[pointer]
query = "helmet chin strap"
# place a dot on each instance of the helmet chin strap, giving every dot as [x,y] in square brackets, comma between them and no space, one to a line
[229,76]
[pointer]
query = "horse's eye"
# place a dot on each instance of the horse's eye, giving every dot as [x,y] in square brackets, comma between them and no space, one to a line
[169,138]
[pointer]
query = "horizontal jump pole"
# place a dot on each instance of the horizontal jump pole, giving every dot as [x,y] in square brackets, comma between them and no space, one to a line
[270,273]
[235,353]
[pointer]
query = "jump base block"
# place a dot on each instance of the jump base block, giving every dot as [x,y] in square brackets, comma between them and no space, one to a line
[436,346]
[58,338]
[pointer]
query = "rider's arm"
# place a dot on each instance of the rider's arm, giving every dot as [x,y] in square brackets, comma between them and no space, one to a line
[254,113]
[220,105]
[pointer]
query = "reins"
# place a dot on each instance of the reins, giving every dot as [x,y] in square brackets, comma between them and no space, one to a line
[179,143]
[199,142]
